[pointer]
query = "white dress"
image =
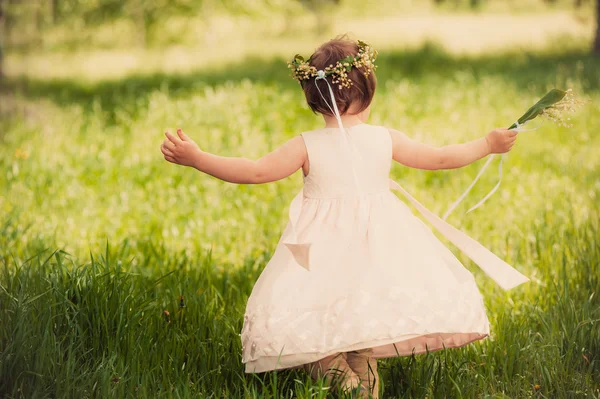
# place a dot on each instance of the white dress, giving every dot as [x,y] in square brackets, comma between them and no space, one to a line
[355,268]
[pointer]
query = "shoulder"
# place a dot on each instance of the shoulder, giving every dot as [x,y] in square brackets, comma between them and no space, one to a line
[389,133]
[311,136]
[309,133]
[396,135]
[297,142]
[294,145]
[385,129]
[388,130]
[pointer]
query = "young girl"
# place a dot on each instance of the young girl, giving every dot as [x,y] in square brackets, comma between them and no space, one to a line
[355,276]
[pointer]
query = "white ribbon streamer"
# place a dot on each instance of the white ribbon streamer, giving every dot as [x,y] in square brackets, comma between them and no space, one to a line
[498,270]
[487,163]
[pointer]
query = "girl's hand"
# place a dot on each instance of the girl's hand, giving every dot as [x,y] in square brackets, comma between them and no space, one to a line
[501,140]
[180,150]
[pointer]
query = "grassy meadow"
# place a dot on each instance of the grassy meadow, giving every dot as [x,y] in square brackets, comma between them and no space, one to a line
[123,275]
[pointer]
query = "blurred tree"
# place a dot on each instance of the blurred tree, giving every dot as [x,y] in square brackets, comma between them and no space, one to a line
[321,9]
[1,37]
[9,16]
[597,41]
[472,3]
[145,14]
[55,11]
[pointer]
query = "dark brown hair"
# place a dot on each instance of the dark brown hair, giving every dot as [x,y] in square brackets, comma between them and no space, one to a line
[362,90]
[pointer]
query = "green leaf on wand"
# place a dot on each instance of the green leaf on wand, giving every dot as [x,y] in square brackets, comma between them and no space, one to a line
[552,106]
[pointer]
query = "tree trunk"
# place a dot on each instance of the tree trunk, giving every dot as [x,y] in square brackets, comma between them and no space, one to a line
[39,24]
[475,3]
[1,37]
[597,41]
[55,12]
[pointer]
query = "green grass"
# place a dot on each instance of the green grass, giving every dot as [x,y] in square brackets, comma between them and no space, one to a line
[101,236]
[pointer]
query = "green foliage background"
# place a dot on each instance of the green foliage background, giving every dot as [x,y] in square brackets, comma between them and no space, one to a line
[100,235]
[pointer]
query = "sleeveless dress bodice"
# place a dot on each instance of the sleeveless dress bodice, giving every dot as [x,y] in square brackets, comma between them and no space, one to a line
[330,174]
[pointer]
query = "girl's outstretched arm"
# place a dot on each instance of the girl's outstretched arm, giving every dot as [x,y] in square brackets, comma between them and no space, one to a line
[276,165]
[423,156]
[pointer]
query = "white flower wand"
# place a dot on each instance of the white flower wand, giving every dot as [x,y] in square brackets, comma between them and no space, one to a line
[552,107]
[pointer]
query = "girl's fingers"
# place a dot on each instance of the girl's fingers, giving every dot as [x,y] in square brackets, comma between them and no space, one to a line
[182,135]
[169,145]
[165,150]
[173,139]
[170,159]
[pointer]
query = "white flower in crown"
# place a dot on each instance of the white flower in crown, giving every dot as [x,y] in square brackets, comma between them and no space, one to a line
[320,74]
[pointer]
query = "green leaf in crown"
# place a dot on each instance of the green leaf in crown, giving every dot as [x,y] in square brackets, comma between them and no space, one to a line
[348,60]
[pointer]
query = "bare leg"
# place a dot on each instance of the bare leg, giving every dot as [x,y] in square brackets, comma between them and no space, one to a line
[336,370]
[365,366]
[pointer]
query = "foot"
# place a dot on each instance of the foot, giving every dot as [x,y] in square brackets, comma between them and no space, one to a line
[337,372]
[365,366]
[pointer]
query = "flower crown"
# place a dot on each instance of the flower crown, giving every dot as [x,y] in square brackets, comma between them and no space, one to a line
[302,70]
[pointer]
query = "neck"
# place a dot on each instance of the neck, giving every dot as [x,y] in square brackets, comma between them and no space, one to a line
[347,120]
